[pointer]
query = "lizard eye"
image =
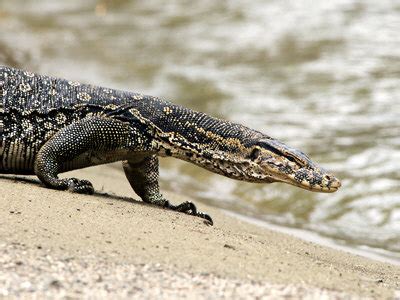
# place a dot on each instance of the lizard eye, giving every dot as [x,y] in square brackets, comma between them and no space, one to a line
[255,153]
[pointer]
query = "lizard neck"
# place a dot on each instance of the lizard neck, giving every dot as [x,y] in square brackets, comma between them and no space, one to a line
[212,143]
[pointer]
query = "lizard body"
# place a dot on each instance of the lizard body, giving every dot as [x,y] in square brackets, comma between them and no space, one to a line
[50,125]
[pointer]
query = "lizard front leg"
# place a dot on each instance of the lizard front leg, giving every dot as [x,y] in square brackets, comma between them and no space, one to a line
[143,175]
[71,148]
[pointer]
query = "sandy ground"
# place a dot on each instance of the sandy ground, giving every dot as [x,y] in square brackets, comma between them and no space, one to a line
[59,244]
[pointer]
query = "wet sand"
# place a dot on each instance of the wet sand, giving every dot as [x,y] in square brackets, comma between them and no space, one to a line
[55,243]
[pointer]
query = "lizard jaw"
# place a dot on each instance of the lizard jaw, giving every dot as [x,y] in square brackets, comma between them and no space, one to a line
[315,181]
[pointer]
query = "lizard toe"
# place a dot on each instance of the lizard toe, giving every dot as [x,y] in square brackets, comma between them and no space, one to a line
[209,220]
[80,186]
[189,208]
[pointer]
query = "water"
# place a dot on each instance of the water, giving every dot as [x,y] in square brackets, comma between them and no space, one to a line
[321,76]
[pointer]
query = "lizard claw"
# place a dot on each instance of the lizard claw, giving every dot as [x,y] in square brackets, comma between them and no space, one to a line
[206,217]
[79,186]
[189,208]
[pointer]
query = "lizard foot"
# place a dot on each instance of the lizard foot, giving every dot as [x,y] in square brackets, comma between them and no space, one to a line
[79,186]
[189,208]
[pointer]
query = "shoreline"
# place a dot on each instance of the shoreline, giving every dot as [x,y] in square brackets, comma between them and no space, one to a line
[109,230]
[316,238]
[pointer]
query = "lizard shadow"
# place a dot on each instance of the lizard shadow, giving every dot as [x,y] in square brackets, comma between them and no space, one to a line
[104,195]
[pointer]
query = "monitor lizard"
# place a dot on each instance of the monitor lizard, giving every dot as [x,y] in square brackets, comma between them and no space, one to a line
[50,125]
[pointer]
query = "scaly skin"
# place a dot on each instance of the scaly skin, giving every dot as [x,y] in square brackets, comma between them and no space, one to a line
[50,125]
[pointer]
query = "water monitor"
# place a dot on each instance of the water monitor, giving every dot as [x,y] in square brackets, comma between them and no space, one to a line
[50,125]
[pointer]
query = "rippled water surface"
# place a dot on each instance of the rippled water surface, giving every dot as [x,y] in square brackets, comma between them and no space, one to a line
[321,76]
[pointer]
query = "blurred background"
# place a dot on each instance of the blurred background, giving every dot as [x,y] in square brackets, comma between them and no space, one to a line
[322,76]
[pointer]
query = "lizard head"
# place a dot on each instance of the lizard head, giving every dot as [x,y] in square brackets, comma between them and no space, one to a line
[269,160]
[235,151]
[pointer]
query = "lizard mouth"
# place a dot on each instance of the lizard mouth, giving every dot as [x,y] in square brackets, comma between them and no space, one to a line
[334,185]
[325,189]
[315,181]
[329,184]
